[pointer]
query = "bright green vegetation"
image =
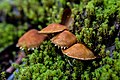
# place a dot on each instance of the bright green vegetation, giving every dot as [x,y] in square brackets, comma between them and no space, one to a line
[9,33]
[97,25]
[2,76]
[47,64]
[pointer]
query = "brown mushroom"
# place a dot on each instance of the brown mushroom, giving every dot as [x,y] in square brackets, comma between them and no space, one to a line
[79,51]
[64,39]
[53,28]
[31,39]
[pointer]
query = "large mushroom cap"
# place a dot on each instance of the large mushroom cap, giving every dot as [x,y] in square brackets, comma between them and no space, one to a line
[53,28]
[79,51]
[31,39]
[64,39]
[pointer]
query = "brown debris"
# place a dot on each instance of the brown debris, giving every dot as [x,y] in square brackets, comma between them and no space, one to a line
[64,39]
[67,19]
[53,28]
[18,61]
[79,51]
[31,39]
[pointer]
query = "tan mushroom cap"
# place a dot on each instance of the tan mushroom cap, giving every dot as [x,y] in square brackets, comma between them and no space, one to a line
[53,28]
[64,39]
[31,39]
[79,51]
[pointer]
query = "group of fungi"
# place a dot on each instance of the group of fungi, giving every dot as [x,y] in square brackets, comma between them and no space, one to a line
[61,37]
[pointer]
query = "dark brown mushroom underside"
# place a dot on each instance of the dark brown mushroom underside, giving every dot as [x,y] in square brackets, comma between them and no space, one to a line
[53,28]
[31,39]
[79,51]
[64,39]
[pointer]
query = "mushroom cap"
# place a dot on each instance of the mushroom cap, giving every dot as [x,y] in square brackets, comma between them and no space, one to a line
[79,51]
[64,39]
[31,39]
[53,28]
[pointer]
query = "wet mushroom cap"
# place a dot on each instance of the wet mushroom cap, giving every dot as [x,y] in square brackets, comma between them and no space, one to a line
[79,51]
[31,39]
[53,28]
[64,39]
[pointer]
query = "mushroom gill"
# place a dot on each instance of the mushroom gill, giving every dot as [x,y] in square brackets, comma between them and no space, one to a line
[79,51]
[64,39]
[53,28]
[31,39]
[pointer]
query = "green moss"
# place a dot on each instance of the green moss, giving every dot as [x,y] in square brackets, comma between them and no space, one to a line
[96,25]
[2,76]
[8,34]
[46,64]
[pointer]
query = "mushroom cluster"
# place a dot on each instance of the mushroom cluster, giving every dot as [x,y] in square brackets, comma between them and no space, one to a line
[64,39]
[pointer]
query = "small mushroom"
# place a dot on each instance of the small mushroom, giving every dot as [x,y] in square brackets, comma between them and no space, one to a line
[64,39]
[53,28]
[79,51]
[31,39]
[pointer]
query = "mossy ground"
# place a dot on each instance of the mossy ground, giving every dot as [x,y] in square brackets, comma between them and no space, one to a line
[97,25]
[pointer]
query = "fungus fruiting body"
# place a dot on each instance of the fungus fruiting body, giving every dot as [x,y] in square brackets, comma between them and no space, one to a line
[64,39]
[31,39]
[79,51]
[53,28]
[96,24]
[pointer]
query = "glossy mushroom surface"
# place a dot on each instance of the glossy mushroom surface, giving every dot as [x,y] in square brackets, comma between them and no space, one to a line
[53,28]
[64,39]
[79,51]
[31,39]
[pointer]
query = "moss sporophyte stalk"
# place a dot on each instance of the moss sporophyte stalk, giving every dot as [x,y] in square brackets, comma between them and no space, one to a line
[95,25]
